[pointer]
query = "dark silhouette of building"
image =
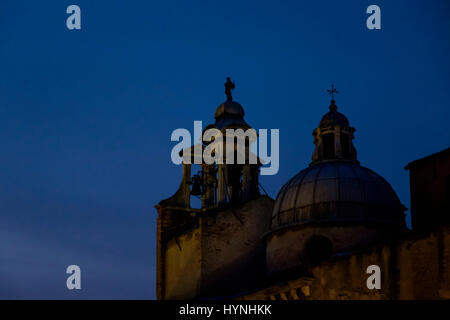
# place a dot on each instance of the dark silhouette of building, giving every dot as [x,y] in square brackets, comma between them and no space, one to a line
[328,224]
[430,191]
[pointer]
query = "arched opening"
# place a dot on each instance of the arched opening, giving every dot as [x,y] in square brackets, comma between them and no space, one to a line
[235,182]
[317,249]
[345,145]
[196,186]
[328,146]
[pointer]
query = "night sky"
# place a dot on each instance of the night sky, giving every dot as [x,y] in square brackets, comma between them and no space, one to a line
[86,115]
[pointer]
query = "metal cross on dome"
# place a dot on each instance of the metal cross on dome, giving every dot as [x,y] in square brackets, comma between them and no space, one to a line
[332,91]
[229,86]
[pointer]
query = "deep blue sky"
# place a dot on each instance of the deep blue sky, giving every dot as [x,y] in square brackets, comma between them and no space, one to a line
[86,116]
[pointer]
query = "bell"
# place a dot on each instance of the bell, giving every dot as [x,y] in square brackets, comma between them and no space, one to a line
[196,189]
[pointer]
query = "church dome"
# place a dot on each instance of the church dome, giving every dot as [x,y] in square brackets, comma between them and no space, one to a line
[337,191]
[333,206]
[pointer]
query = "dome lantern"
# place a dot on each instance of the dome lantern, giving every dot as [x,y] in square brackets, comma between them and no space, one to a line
[333,137]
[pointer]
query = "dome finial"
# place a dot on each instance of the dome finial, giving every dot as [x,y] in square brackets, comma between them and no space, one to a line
[229,86]
[331,92]
[333,106]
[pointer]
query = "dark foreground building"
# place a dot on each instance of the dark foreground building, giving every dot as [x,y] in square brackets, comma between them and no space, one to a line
[328,224]
[430,191]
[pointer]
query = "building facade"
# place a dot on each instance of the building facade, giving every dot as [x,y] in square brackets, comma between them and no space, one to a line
[328,224]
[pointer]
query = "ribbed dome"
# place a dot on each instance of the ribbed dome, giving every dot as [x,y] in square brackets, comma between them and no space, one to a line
[337,191]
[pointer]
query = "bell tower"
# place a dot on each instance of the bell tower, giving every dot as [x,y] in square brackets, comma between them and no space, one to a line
[214,250]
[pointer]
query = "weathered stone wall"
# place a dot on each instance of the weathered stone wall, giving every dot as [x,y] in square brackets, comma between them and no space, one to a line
[285,247]
[183,266]
[232,247]
[223,255]
[413,268]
